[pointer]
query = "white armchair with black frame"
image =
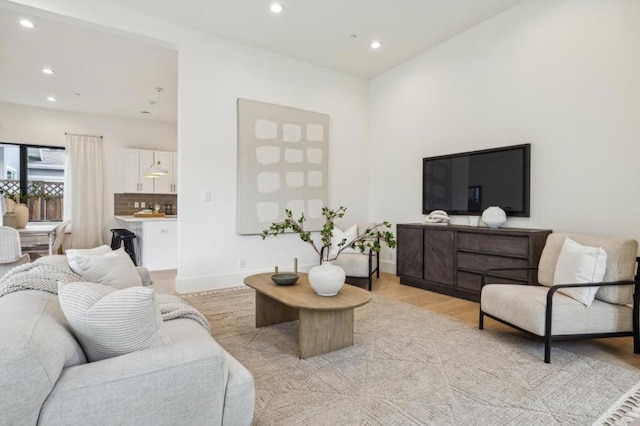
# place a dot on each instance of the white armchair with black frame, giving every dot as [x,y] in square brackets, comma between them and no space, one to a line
[358,266]
[589,287]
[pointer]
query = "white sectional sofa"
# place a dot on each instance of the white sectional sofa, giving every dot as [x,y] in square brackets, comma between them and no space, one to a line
[45,378]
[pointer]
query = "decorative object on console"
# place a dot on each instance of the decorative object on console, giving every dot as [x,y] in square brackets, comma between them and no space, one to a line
[437,217]
[494,217]
[368,240]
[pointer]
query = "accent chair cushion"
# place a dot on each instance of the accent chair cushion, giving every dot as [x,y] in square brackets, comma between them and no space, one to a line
[354,265]
[621,263]
[113,268]
[109,322]
[524,306]
[578,264]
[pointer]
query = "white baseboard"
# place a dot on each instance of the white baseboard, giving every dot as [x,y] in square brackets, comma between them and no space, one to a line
[217,282]
[235,279]
[388,266]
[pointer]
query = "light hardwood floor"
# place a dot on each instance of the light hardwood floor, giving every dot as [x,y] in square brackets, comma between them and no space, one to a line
[618,351]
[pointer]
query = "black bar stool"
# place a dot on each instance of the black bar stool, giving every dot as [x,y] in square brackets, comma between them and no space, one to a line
[125,236]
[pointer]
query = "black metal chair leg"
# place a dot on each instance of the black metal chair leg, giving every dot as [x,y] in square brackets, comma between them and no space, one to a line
[481,320]
[547,350]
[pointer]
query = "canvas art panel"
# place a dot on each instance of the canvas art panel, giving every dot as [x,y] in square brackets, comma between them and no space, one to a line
[282,164]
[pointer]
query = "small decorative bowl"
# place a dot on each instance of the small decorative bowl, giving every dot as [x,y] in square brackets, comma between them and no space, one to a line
[284,278]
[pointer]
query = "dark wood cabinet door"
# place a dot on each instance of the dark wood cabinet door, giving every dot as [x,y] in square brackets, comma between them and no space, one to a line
[410,251]
[439,256]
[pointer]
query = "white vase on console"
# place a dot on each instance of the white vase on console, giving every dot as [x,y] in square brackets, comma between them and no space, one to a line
[326,279]
[494,217]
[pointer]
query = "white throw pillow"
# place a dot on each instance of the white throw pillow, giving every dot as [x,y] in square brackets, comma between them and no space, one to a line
[113,268]
[110,322]
[97,251]
[339,235]
[580,264]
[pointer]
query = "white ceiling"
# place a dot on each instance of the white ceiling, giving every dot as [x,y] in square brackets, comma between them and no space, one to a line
[114,75]
[117,75]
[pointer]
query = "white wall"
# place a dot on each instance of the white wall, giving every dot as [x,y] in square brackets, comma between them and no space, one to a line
[562,75]
[213,73]
[41,126]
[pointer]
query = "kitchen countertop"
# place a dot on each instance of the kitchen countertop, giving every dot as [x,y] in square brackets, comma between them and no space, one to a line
[167,218]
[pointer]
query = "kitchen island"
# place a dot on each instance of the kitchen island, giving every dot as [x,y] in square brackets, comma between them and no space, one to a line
[156,242]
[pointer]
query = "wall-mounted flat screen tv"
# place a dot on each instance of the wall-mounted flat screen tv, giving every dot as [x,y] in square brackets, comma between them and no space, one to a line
[469,182]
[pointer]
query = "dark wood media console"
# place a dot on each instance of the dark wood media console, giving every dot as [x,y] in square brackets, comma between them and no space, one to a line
[450,259]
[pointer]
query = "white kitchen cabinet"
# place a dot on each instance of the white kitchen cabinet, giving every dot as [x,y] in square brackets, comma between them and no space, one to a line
[167,184]
[160,245]
[156,241]
[137,161]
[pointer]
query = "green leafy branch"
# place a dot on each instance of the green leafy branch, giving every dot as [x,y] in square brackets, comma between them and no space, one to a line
[367,240]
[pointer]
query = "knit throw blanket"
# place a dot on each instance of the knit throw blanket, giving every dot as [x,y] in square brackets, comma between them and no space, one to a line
[44,277]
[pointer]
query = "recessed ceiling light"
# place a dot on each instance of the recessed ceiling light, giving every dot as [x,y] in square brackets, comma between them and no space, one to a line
[353,36]
[145,112]
[51,99]
[375,44]
[48,71]
[276,7]
[27,23]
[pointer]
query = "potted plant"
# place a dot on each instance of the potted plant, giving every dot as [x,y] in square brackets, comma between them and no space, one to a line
[370,239]
[17,204]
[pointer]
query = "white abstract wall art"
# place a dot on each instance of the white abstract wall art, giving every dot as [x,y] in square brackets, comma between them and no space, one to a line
[282,164]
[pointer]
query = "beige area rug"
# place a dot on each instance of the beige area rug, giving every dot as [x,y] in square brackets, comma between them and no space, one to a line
[411,366]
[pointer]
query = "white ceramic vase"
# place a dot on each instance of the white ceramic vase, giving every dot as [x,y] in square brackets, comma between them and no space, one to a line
[326,279]
[494,217]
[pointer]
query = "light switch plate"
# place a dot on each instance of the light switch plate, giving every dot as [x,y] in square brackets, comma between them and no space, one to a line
[136,204]
[206,196]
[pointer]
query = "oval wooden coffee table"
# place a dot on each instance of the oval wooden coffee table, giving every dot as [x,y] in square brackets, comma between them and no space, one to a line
[325,323]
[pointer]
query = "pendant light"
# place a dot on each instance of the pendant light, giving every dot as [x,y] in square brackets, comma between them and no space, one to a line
[156,170]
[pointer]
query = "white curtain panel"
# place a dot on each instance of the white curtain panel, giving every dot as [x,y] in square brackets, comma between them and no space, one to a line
[84,190]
